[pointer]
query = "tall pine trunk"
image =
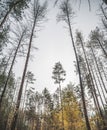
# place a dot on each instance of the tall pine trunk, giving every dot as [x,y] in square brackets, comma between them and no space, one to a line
[60,91]
[102,69]
[13,124]
[96,84]
[101,46]
[80,78]
[100,85]
[22,82]
[8,12]
[98,68]
[92,86]
[10,70]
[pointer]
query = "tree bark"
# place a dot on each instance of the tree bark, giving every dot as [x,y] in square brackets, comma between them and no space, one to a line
[105,53]
[102,69]
[61,106]
[80,78]
[93,75]
[98,68]
[13,124]
[93,90]
[8,12]
[11,67]
[100,84]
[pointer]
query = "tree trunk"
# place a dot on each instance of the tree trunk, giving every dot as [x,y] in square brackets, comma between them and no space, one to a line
[102,69]
[97,86]
[11,67]
[80,78]
[100,111]
[93,90]
[98,68]
[7,63]
[13,124]
[60,90]
[100,84]
[103,12]
[90,76]
[105,53]
[8,12]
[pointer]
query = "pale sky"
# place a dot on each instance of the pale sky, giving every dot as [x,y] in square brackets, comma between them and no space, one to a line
[55,45]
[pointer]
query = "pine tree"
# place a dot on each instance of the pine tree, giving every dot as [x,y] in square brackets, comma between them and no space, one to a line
[21,36]
[59,76]
[66,15]
[38,15]
[14,7]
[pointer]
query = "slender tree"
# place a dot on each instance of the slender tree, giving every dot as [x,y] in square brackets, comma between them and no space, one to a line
[59,76]
[14,7]
[97,38]
[66,15]
[29,80]
[4,38]
[38,12]
[20,39]
[92,85]
[48,107]
[104,17]
[97,66]
[103,71]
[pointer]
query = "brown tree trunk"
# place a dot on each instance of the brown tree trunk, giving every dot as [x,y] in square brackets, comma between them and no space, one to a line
[11,67]
[102,69]
[7,63]
[97,86]
[105,53]
[98,68]
[93,90]
[100,84]
[60,90]
[13,124]
[8,12]
[80,78]
[100,111]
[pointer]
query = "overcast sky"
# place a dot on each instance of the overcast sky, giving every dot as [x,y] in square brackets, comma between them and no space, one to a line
[55,45]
